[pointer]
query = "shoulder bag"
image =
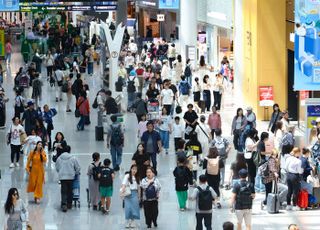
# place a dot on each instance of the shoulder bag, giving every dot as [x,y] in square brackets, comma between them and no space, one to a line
[77,111]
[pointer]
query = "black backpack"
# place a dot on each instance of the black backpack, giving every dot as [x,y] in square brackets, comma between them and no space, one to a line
[119,84]
[187,71]
[244,199]
[131,87]
[181,178]
[96,170]
[151,192]
[204,199]
[116,136]
[106,177]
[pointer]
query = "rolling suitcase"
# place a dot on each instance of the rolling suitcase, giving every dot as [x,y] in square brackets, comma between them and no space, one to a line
[99,133]
[316,194]
[303,199]
[273,201]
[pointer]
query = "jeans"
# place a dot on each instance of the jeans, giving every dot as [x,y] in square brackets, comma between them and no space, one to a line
[66,192]
[131,98]
[164,135]
[207,217]
[15,152]
[293,183]
[222,172]
[151,211]
[153,157]
[217,99]
[90,67]
[259,186]
[236,138]
[8,57]
[207,99]
[116,154]
[80,125]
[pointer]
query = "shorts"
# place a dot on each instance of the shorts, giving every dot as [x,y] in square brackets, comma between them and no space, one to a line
[244,214]
[106,191]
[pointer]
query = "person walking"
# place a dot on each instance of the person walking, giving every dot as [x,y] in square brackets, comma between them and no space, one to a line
[13,138]
[84,110]
[204,135]
[151,188]
[8,52]
[218,90]
[183,178]
[275,117]
[15,211]
[237,127]
[214,121]
[35,168]
[130,193]
[191,119]
[106,185]
[251,144]
[58,76]
[59,145]
[165,128]
[115,142]
[142,160]
[18,104]
[204,196]
[140,107]
[49,61]
[241,200]
[37,90]
[151,139]
[29,118]
[167,96]
[47,116]
[206,92]
[67,167]
[94,172]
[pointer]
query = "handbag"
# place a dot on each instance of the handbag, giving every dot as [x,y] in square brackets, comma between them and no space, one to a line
[23,137]
[126,192]
[9,136]
[248,154]
[257,159]
[188,130]
[77,111]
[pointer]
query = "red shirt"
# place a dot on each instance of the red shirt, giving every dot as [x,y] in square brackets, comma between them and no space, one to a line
[214,121]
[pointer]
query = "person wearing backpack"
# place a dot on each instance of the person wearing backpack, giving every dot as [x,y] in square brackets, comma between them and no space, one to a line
[188,72]
[212,164]
[241,200]
[140,107]
[132,83]
[36,90]
[94,173]
[223,146]
[115,141]
[204,196]
[67,167]
[183,178]
[184,89]
[106,185]
[151,188]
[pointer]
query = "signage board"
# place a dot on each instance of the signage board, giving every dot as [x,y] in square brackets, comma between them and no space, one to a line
[2,43]
[9,5]
[160,17]
[306,45]
[303,96]
[169,4]
[266,97]
[98,8]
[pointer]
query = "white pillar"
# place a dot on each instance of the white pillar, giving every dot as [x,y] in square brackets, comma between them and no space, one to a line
[188,25]
[238,50]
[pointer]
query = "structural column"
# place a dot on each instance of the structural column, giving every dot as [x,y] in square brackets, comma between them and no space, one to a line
[122,12]
[188,25]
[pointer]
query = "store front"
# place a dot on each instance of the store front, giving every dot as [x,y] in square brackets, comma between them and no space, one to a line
[155,21]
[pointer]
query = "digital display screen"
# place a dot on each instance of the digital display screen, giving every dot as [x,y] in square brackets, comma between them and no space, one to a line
[169,4]
[9,5]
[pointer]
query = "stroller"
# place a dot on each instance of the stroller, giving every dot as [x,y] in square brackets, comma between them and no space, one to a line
[76,191]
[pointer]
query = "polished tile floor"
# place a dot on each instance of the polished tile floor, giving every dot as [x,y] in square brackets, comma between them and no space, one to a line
[48,216]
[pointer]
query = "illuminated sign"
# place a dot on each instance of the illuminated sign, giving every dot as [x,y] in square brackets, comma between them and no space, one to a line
[169,4]
[9,5]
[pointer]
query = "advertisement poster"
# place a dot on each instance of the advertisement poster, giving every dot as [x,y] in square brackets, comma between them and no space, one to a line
[2,43]
[9,5]
[266,97]
[169,4]
[307,45]
[313,112]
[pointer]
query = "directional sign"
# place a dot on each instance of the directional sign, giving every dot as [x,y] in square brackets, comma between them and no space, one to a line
[68,8]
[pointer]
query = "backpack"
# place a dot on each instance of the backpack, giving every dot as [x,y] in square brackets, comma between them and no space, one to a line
[96,170]
[221,146]
[24,81]
[74,88]
[131,87]
[244,198]
[187,71]
[181,176]
[184,88]
[263,170]
[64,87]
[315,150]
[213,166]
[95,103]
[106,177]
[116,136]
[151,192]
[119,84]
[204,199]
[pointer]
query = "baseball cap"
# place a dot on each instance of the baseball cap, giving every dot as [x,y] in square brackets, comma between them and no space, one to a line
[243,173]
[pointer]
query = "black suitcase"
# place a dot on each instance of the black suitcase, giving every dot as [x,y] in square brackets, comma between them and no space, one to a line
[99,133]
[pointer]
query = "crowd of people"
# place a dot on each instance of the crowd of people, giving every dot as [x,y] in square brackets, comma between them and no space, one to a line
[173,101]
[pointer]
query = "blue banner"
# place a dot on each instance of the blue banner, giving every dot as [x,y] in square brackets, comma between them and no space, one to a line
[169,4]
[307,45]
[9,5]
[313,111]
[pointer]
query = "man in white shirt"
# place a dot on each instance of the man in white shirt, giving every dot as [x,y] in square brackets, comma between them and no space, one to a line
[285,121]
[204,135]
[178,131]
[59,75]
[129,62]
[167,96]
[13,138]
[165,72]
[133,47]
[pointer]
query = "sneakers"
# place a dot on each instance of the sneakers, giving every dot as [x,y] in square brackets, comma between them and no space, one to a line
[289,208]
[132,224]
[295,208]
[218,205]
[17,164]
[11,165]
[128,223]
[182,209]
[64,208]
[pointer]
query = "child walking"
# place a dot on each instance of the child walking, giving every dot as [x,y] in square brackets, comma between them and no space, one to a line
[106,186]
